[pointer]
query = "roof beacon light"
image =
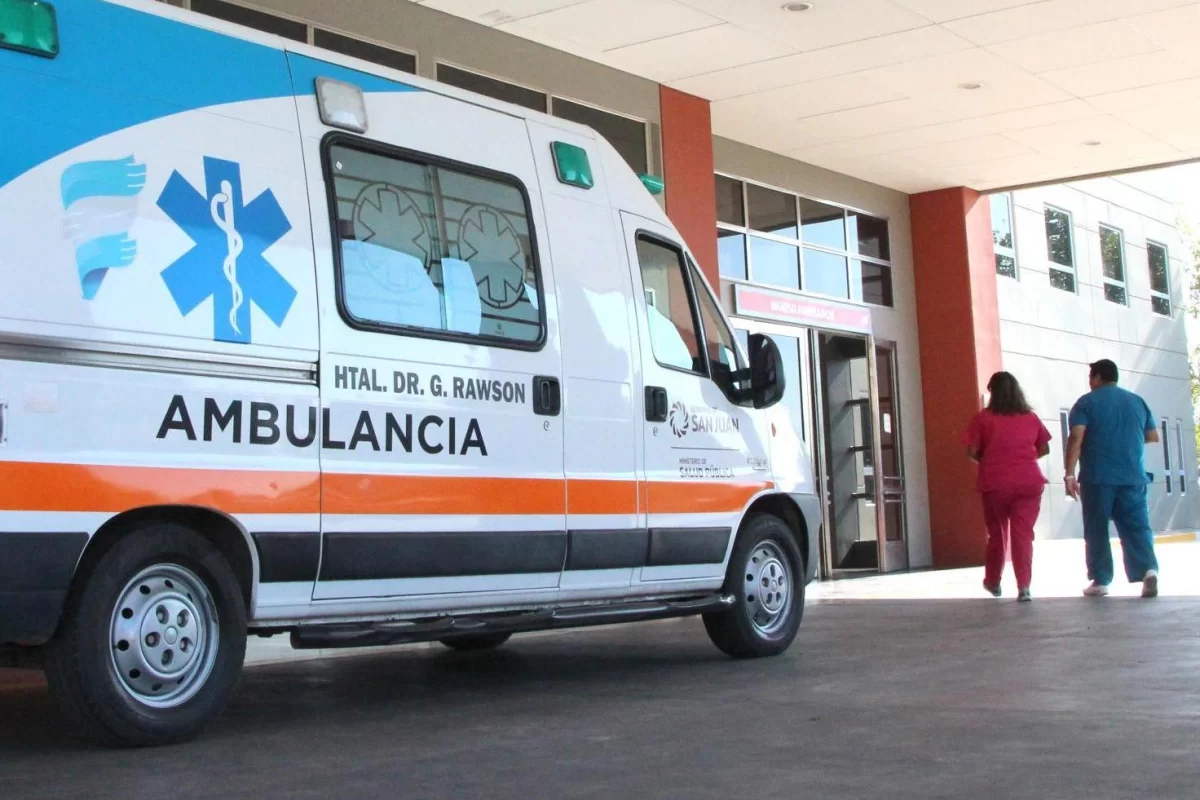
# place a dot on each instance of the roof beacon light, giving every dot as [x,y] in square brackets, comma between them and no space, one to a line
[653,183]
[341,105]
[29,26]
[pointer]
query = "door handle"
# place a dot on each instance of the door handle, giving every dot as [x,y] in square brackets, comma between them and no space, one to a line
[547,396]
[656,404]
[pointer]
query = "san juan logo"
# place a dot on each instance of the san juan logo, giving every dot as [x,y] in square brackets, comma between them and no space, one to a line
[679,419]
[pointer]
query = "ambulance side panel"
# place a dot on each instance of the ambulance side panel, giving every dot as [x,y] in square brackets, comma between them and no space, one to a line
[158,324]
[442,479]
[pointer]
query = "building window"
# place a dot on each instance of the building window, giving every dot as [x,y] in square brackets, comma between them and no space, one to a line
[779,238]
[426,249]
[625,134]
[1179,459]
[1112,260]
[259,20]
[1060,249]
[1160,282]
[349,46]
[491,87]
[1002,235]
[1166,448]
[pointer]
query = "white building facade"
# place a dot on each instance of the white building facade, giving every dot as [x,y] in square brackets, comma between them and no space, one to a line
[1089,270]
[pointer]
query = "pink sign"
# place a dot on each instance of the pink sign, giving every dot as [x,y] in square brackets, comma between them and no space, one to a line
[754,301]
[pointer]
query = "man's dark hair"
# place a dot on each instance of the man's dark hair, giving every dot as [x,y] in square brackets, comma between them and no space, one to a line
[1007,398]
[1105,370]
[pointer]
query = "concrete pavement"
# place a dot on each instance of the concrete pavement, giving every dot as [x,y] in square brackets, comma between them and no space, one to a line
[910,686]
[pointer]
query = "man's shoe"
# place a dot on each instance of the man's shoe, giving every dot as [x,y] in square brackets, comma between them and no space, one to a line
[1096,590]
[994,591]
[1150,584]
[1023,595]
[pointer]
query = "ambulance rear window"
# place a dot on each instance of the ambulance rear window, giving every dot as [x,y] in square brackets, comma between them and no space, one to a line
[431,249]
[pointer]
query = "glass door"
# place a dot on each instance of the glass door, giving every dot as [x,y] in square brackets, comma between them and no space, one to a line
[893,545]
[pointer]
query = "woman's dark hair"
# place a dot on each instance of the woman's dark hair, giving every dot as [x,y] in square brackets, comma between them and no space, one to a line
[1007,399]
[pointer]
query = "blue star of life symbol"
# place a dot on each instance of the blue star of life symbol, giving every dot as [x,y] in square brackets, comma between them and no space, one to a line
[226,263]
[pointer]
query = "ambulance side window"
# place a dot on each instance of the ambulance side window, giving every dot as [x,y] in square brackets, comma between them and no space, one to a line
[669,311]
[433,250]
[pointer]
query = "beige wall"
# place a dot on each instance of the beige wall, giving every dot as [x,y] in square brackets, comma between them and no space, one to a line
[897,324]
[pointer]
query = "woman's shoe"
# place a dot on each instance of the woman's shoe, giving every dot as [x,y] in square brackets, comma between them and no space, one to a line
[994,591]
[1023,595]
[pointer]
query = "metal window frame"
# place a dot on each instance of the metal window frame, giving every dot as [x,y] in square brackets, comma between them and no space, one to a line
[853,280]
[1053,266]
[1165,428]
[1180,461]
[999,249]
[1123,284]
[1153,292]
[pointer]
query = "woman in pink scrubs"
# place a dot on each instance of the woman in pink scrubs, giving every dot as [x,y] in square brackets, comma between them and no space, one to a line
[1006,439]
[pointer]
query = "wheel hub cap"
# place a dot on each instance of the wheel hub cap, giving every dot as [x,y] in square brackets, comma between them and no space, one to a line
[768,593]
[164,636]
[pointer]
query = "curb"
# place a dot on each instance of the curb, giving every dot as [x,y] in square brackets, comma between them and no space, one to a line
[1175,538]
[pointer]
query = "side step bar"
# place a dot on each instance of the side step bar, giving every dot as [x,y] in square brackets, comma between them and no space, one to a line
[313,637]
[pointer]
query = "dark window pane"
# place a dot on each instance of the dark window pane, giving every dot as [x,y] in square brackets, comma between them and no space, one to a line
[876,284]
[491,87]
[1157,254]
[731,254]
[826,273]
[1006,265]
[627,136]
[1064,431]
[774,262]
[1114,293]
[1058,240]
[287,28]
[1002,227]
[723,358]
[1161,305]
[1111,255]
[823,225]
[771,211]
[1062,280]
[730,208]
[871,235]
[405,62]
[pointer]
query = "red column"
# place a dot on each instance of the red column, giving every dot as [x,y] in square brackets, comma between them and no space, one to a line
[688,172]
[959,324]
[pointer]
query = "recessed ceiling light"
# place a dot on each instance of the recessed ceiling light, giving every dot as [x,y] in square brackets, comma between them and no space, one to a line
[1092,143]
[797,6]
[970,87]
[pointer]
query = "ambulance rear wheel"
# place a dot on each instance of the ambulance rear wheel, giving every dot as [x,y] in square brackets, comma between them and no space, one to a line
[476,641]
[766,580]
[152,642]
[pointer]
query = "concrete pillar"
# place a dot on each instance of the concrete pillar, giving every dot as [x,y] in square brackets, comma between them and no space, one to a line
[959,323]
[688,172]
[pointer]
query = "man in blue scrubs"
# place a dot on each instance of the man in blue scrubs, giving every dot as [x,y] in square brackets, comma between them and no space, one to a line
[1110,428]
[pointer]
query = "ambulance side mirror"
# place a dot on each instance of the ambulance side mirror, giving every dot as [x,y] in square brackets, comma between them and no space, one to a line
[766,371]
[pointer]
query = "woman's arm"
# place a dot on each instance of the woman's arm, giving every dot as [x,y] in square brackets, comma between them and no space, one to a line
[1043,450]
[973,454]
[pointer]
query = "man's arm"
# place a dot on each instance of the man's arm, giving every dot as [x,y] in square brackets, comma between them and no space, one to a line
[973,454]
[1074,446]
[1152,435]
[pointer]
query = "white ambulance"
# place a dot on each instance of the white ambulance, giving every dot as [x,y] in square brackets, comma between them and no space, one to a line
[293,343]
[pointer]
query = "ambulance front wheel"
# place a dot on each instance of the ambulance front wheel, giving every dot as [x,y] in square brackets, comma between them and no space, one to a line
[152,642]
[766,580]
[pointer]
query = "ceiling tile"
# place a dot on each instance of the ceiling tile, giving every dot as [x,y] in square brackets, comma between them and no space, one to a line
[496,12]
[808,99]
[1049,16]
[599,25]
[1112,133]
[826,62]
[1075,47]
[1185,91]
[965,151]
[1122,73]
[827,23]
[946,10]
[1176,30]
[693,53]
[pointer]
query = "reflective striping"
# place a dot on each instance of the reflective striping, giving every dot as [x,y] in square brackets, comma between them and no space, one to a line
[412,494]
[49,487]
[27,486]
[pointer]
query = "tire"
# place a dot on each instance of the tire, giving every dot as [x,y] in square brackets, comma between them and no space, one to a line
[152,641]
[475,641]
[761,624]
